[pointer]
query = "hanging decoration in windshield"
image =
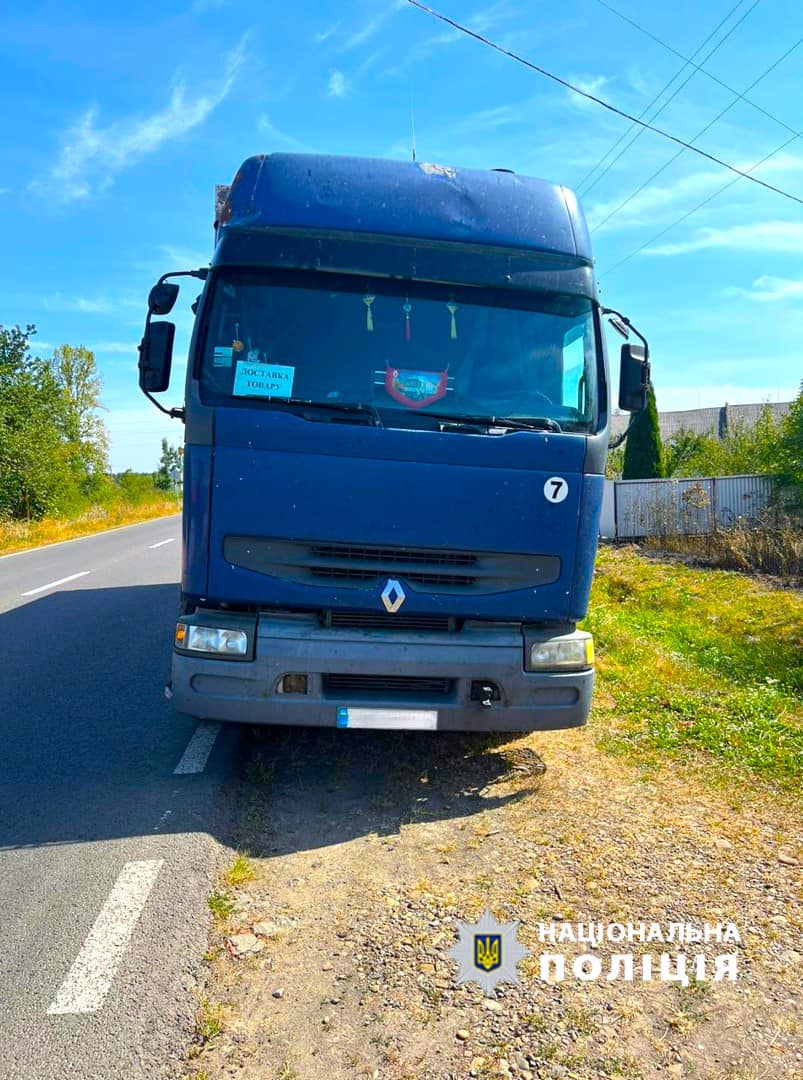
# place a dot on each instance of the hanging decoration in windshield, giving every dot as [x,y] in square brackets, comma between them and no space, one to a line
[415,389]
[451,307]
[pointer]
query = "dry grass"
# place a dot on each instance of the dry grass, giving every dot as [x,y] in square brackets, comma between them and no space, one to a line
[20,535]
[774,547]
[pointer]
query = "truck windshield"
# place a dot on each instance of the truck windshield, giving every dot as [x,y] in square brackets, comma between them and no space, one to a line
[407,348]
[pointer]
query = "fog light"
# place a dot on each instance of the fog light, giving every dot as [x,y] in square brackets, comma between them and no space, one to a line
[562,654]
[212,639]
[293,684]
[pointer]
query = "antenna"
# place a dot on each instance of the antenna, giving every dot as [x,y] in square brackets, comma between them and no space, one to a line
[412,119]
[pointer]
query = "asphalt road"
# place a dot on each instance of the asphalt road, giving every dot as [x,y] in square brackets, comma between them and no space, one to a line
[106,853]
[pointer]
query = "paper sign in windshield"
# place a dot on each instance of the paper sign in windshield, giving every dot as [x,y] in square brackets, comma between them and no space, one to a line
[263,380]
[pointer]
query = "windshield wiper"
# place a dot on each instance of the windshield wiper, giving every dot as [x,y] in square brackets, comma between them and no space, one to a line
[345,407]
[515,423]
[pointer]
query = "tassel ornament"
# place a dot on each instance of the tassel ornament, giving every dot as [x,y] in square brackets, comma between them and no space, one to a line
[452,309]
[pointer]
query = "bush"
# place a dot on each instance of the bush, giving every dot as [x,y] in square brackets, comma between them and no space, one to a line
[137,488]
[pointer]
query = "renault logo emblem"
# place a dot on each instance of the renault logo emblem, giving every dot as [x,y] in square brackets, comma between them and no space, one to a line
[393,596]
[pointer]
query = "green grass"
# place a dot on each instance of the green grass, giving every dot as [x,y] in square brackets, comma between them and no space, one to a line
[220,904]
[698,660]
[240,871]
[209,1021]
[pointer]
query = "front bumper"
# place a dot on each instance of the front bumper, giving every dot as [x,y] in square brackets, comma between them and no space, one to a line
[357,678]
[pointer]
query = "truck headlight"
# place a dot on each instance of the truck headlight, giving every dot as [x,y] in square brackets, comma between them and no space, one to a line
[570,653]
[211,639]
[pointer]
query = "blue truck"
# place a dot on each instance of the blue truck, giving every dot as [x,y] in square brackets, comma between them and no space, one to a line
[396,424]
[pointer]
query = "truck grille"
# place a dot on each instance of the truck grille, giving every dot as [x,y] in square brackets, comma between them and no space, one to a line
[395,555]
[368,566]
[348,573]
[381,620]
[387,685]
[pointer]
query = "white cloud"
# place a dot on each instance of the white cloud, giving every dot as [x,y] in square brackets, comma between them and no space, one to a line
[91,156]
[324,35]
[87,305]
[642,208]
[486,18]
[480,22]
[181,258]
[338,84]
[784,236]
[591,84]
[280,140]
[369,62]
[373,25]
[767,289]
[114,348]
[490,119]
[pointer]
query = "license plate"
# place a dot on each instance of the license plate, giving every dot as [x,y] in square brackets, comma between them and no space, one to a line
[402,719]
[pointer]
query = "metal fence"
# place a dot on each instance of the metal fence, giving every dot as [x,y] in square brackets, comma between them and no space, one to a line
[633,508]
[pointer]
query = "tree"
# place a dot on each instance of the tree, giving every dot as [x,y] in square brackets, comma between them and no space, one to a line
[35,477]
[84,432]
[789,453]
[169,466]
[643,451]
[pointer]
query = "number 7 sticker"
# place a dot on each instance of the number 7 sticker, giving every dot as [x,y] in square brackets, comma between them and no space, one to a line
[556,489]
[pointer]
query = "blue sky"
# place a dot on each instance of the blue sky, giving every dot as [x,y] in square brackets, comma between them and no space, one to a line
[119,119]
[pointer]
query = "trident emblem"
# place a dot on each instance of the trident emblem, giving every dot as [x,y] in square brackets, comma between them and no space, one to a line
[488,951]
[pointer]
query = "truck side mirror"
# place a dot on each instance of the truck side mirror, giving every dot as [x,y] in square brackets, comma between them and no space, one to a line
[162,297]
[156,356]
[634,378]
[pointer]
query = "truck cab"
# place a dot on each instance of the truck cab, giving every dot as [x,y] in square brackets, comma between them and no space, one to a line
[396,409]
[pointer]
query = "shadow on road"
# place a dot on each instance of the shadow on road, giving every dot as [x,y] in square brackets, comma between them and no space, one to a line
[90,744]
[89,741]
[316,787]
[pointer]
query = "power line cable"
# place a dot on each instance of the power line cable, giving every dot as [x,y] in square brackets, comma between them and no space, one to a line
[702,131]
[699,206]
[618,142]
[697,67]
[600,101]
[671,98]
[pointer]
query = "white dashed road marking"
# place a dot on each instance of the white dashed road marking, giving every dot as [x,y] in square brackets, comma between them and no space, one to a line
[53,584]
[195,757]
[89,979]
[162,543]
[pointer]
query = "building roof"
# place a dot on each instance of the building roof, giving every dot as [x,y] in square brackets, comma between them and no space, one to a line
[717,420]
